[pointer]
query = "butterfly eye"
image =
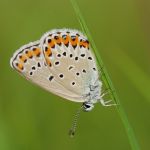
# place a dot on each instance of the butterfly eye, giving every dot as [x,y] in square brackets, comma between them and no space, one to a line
[87,106]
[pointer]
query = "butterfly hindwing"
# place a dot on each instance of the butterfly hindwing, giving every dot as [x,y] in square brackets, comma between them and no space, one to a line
[29,61]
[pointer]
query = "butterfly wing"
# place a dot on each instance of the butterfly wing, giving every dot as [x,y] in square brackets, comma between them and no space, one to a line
[69,57]
[29,61]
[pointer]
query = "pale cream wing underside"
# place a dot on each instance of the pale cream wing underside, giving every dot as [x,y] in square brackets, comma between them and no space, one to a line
[85,66]
[29,62]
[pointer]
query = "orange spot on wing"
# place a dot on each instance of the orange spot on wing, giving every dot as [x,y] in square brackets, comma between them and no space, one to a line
[81,43]
[36,52]
[84,44]
[66,40]
[29,53]
[74,42]
[58,40]
[48,52]
[23,58]
[51,43]
[19,66]
[48,61]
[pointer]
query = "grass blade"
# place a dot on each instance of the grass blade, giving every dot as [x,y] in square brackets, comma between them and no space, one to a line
[132,139]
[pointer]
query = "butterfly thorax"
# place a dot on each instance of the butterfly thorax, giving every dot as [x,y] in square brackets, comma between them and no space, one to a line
[94,92]
[92,96]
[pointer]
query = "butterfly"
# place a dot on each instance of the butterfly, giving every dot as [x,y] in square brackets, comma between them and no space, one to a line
[63,63]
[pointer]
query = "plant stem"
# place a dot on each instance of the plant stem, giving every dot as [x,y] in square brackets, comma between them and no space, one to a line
[106,79]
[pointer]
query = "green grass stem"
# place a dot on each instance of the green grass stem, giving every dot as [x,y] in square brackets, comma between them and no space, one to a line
[106,79]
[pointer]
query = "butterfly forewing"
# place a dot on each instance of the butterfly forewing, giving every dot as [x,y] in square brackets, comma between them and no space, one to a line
[69,58]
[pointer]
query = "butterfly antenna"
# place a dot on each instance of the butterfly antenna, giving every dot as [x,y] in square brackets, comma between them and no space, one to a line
[74,123]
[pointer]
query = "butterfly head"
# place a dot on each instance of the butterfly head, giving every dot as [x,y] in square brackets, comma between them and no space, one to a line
[88,106]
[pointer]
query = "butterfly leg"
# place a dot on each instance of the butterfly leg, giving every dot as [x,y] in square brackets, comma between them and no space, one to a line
[108,102]
[107,91]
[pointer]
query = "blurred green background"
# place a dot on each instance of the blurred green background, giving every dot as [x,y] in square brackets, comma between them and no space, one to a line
[33,119]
